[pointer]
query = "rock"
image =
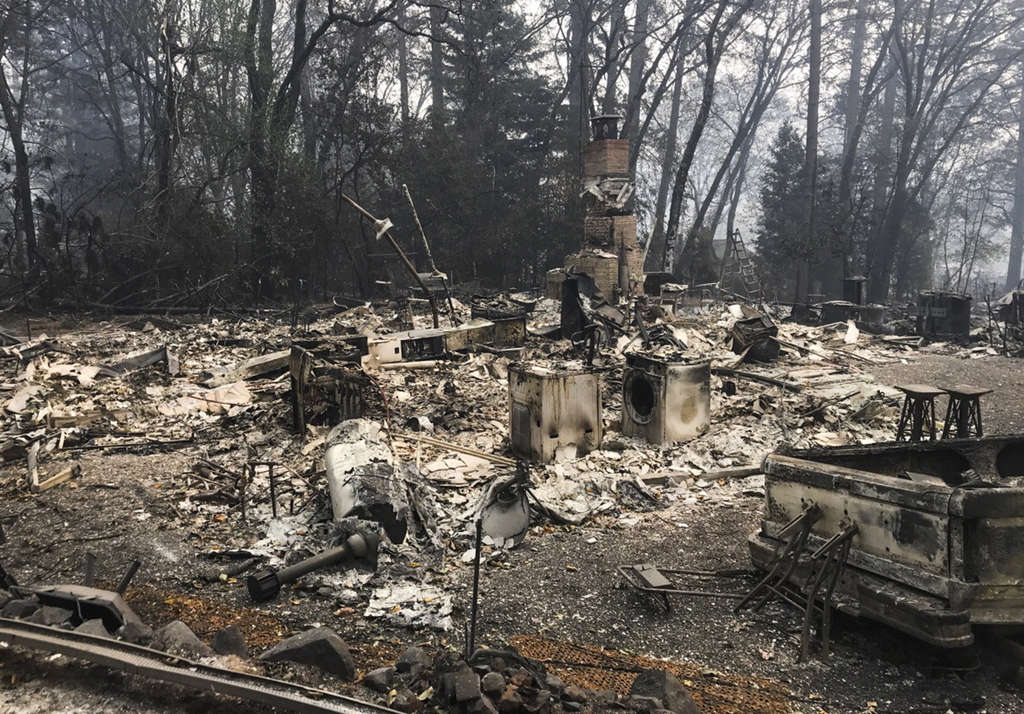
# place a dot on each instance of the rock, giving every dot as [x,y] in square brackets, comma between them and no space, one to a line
[93,627]
[520,677]
[644,705]
[483,705]
[406,701]
[572,706]
[465,685]
[20,609]
[510,702]
[135,633]
[380,680]
[50,616]
[535,701]
[554,684]
[5,597]
[320,647]
[178,639]
[230,641]
[412,657]
[572,693]
[492,684]
[664,686]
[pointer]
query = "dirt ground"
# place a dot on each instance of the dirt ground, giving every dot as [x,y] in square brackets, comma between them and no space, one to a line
[557,596]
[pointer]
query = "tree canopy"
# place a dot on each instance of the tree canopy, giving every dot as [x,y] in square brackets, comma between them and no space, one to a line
[166,152]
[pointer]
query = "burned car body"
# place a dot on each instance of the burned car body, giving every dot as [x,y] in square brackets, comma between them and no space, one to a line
[940,529]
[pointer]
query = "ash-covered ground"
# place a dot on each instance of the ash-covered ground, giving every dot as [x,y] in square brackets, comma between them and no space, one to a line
[557,596]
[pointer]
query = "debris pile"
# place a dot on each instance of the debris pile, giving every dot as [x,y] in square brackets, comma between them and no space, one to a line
[297,449]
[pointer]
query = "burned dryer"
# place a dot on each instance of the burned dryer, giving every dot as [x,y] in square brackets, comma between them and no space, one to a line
[553,411]
[940,529]
[665,400]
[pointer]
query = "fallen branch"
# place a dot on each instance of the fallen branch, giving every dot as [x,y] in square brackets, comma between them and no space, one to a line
[493,458]
[827,402]
[678,477]
[729,372]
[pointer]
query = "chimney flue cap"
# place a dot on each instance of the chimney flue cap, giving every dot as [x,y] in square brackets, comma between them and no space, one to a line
[605,126]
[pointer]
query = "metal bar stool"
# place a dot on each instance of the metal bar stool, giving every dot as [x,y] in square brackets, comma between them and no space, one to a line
[918,412]
[963,415]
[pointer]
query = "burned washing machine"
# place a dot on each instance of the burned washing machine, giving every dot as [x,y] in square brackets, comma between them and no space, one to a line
[665,400]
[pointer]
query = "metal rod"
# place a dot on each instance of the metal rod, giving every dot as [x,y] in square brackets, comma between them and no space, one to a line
[90,569]
[126,579]
[405,261]
[476,588]
[273,489]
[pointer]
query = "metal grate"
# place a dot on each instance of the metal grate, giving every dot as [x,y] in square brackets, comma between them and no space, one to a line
[601,669]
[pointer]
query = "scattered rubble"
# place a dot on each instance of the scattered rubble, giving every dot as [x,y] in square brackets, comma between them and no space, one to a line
[289,441]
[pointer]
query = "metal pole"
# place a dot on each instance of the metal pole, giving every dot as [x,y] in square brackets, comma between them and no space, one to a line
[401,255]
[476,588]
[90,569]
[273,490]
[126,579]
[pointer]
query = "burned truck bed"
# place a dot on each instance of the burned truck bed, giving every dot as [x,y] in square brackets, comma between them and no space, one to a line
[940,529]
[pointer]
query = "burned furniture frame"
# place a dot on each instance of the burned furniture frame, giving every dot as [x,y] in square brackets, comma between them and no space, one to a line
[939,527]
[325,393]
[657,582]
[823,566]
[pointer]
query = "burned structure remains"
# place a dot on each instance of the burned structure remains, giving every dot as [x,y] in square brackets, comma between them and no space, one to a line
[937,547]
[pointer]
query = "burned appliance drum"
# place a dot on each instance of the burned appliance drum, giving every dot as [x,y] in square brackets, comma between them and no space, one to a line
[940,529]
[665,401]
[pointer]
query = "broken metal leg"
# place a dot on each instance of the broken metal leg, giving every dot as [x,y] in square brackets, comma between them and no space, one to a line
[126,579]
[251,467]
[471,642]
[90,570]
[827,563]
[657,583]
[266,584]
[786,557]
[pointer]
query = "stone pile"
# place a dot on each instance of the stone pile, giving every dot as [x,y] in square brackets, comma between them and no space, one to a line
[504,682]
[490,682]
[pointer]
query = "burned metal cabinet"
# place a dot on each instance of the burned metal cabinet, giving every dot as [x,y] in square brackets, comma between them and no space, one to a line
[472,334]
[942,314]
[753,337]
[665,400]
[940,529]
[422,344]
[553,408]
[855,290]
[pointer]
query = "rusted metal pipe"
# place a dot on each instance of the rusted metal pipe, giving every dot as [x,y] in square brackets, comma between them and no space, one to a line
[126,579]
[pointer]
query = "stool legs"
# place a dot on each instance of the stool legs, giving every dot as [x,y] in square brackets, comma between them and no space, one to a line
[904,416]
[951,413]
[920,412]
[963,415]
